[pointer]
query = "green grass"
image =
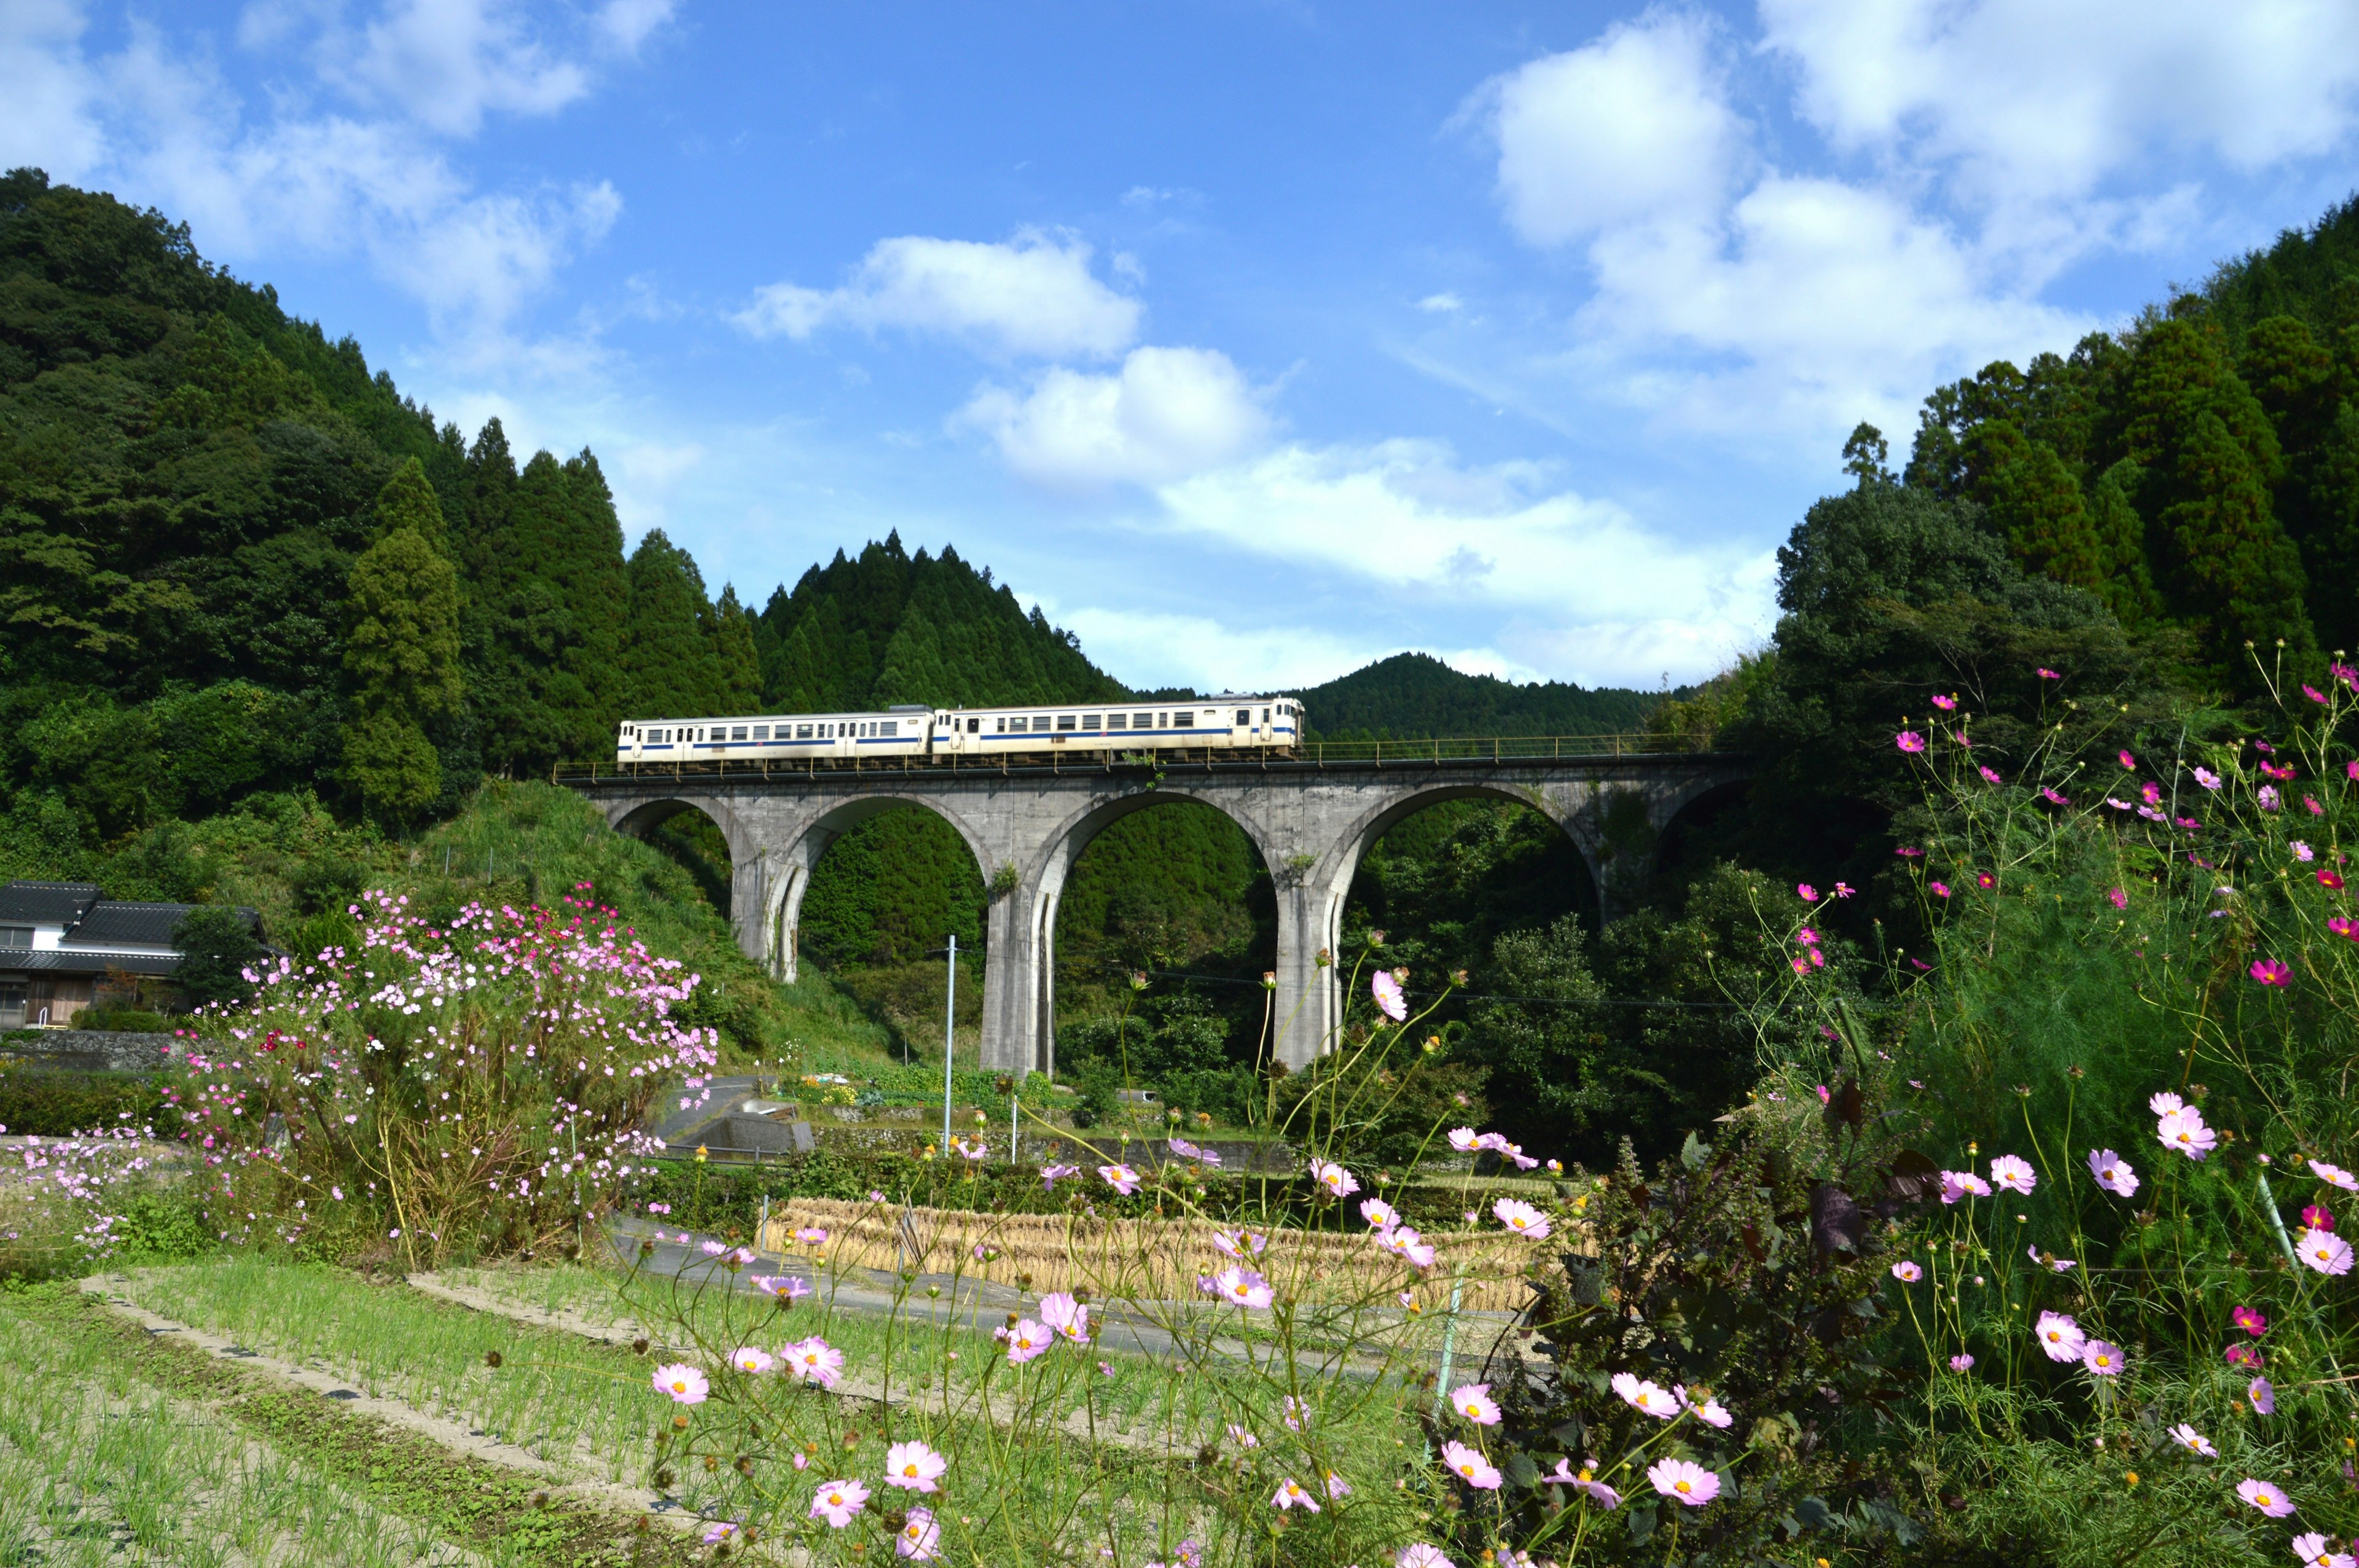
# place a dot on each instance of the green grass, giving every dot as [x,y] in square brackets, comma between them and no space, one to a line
[587,1406]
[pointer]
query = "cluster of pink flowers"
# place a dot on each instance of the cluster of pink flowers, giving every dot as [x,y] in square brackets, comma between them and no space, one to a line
[2180,1126]
[1466,1140]
[1062,1317]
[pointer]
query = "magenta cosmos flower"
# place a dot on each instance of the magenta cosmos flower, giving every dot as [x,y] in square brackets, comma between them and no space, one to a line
[684,1383]
[2269,1499]
[2112,1173]
[1469,1466]
[1522,1219]
[1474,1402]
[2271,972]
[838,1501]
[2324,1252]
[1806,893]
[1684,1481]
[1945,703]
[1387,993]
[2250,1320]
[2013,1172]
[913,1466]
[2059,1337]
[2335,1175]
[1910,740]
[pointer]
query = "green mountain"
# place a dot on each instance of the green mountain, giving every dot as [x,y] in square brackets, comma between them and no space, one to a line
[1417,696]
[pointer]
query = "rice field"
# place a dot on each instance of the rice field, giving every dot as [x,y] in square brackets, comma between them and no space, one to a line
[96,1467]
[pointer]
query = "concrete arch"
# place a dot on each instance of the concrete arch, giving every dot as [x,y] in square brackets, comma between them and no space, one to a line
[787,868]
[636,820]
[1027,976]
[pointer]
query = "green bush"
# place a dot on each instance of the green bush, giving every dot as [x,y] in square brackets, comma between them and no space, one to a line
[48,1102]
[123,1019]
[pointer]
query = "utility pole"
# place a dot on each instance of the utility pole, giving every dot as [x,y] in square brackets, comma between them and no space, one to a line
[950,1041]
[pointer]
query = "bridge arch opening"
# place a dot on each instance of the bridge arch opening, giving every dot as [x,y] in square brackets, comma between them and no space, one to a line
[695,835]
[1177,889]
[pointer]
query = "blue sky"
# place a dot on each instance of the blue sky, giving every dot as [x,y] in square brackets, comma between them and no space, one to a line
[1252,340]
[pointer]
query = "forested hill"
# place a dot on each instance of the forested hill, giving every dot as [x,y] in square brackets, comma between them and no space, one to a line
[1415,696]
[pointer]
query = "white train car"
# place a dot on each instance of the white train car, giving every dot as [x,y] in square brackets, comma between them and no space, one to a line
[1232,721]
[776,737]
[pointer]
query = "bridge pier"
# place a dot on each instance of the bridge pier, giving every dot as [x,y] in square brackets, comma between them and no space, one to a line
[1311,823]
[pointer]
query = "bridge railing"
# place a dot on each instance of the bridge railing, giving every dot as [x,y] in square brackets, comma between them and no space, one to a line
[1078,759]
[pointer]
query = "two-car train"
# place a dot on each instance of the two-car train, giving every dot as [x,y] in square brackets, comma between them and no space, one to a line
[1231,722]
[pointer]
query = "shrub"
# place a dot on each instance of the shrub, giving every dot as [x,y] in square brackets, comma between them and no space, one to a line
[50,1102]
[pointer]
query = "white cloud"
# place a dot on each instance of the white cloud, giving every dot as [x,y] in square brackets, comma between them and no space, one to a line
[1575,584]
[446,63]
[1631,129]
[625,24]
[1032,296]
[1441,304]
[2041,99]
[1152,649]
[53,120]
[1166,413]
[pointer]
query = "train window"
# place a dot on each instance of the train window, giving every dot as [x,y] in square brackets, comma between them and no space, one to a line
[1117,721]
[1183,721]
[973,726]
[1142,721]
[1089,722]
[737,732]
[1244,715]
[1064,722]
[1265,715]
[761,732]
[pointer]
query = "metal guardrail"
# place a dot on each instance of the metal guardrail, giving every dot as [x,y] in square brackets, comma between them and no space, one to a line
[1310,755]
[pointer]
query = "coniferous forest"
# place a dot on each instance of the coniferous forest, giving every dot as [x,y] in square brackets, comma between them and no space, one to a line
[239,569]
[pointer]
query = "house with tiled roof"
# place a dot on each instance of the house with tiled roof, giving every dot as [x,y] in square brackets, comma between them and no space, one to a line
[64,946]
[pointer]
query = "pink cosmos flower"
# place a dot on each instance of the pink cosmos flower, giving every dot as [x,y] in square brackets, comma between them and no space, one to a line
[920,1539]
[1522,1219]
[2324,1252]
[1027,1340]
[2127,761]
[1939,890]
[1052,1174]
[2112,1173]
[1806,893]
[1404,1243]
[2263,1395]
[802,1461]
[1066,1317]
[1337,1487]
[2101,1358]
[1121,1178]
[1711,1413]
[2059,1337]
[2207,778]
[2312,1548]
[2312,693]
[1908,1274]
[913,1466]
[1684,1481]
[2250,1320]
[1985,881]
[1648,1396]
[2053,795]
[1241,1437]
[1334,1178]
[2194,1442]
[1845,890]
[719,1532]
[2241,1355]
[1944,703]
[838,1501]
[684,1383]
[1961,1363]
[814,1360]
[1469,1466]
[2013,1172]
[750,1360]
[1418,1554]
[1910,740]
[1240,1244]
[2117,898]
[2309,804]
[2047,674]
[2318,1219]
[2335,1175]
[1474,1402]
[1990,774]
[2162,1102]
[2344,927]
[2331,880]
[2269,1499]
[1289,1495]
[1242,1287]
[2184,1131]
[2049,1261]
[786,1287]
[1380,1214]
[1956,1185]
[1465,1140]
[1387,993]
[2271,972]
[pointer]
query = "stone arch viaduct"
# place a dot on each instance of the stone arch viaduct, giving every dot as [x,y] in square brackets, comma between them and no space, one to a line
[1311,822]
